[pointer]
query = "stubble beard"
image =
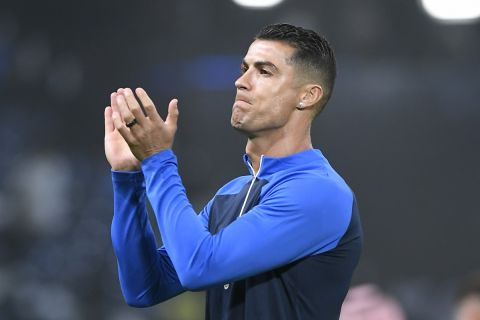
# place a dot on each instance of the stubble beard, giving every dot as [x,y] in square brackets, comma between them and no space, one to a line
[239,126]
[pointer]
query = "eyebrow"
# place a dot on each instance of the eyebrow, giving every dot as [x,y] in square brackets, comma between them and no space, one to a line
[260,64]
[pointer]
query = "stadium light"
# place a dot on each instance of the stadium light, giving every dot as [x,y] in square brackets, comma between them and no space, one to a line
[452,11]
[257,4]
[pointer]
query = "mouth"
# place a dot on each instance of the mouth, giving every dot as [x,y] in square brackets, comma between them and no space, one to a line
[241,98]
[240,105]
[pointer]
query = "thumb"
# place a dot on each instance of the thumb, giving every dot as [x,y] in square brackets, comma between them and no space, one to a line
[172,116]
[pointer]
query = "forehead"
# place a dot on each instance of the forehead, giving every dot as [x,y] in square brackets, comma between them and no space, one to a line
[277,52]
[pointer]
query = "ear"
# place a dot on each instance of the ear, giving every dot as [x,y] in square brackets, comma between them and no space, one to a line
[311,95]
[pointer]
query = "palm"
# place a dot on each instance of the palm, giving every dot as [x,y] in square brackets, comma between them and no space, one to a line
[118,152]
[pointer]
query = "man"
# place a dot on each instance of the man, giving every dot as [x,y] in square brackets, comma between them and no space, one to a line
[280,243]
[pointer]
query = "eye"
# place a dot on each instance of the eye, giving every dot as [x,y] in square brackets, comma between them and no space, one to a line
[243,69]
[265,72]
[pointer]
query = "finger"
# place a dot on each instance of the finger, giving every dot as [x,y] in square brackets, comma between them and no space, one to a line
[109,127]
[113,101]
[133,105]
[120,126]
[123,110]
[148,105]
[173,113]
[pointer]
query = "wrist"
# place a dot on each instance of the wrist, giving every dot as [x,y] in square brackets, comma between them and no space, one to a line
[130,167]
[151,152]
[126,169]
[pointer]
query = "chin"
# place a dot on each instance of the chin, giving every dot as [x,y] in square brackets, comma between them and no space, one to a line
[235,121]
[236,125]
[240,127]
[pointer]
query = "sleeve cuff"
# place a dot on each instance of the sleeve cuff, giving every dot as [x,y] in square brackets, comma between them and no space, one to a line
[159,158]
[127,176]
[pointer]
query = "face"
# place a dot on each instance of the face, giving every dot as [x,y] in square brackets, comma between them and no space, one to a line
[267,90]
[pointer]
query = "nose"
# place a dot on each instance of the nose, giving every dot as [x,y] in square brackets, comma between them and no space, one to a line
[243,82]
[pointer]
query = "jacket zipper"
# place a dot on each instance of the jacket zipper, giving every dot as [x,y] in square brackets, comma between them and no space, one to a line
[255,175]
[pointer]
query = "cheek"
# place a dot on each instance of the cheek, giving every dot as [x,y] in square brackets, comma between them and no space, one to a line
[282,105]
[276,102]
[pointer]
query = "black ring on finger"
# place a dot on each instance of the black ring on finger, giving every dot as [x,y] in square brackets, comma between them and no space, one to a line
[131,123]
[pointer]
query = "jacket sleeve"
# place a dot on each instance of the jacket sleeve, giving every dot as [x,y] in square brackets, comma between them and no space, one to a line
[299,217]
[146,273]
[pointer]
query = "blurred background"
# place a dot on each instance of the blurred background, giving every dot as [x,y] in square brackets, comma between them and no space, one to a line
[402,128]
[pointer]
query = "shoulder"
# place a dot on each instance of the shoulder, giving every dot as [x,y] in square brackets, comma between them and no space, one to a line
[311,188]
[317,205]
[317,196]
[314,181]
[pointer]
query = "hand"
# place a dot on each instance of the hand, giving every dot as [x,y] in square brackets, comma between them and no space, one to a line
[149,134]
[117,150]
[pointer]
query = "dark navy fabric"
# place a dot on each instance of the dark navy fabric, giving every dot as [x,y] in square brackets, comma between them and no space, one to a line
[226,208]
[310,288]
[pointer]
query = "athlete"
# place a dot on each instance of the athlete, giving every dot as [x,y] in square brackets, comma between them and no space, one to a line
[282,241]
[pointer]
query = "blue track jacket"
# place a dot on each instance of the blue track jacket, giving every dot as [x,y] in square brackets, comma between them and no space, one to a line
[281,243]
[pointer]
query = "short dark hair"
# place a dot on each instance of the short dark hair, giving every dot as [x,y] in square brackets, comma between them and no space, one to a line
[313,53]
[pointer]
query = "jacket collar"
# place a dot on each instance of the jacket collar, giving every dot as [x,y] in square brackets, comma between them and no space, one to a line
[270,165]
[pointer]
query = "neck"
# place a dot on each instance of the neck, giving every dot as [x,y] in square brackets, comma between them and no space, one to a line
[277,144]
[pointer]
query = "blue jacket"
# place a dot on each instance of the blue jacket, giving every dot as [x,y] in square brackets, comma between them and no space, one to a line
[281,243]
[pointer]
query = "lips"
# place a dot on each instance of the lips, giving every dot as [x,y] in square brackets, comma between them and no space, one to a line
[242,98]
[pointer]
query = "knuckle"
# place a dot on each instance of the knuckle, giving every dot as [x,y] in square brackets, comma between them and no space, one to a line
[117,124]
[135,108]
